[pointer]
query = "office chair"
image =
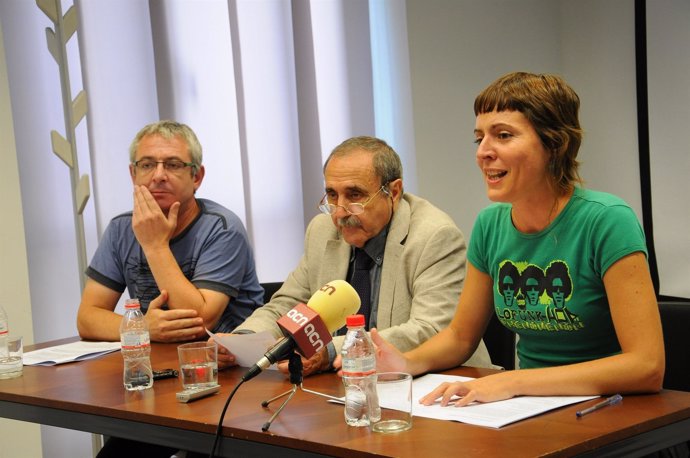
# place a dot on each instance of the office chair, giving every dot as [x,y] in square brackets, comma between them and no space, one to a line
[500,341]
[675,320]
[269,289]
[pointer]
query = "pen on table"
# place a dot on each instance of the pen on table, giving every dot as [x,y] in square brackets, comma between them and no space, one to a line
[615,399]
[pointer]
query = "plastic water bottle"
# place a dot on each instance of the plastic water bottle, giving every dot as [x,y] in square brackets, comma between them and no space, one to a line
[4,334]
[359,375]
[136,348]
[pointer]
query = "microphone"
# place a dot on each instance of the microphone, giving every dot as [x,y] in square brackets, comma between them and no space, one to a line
[309,327]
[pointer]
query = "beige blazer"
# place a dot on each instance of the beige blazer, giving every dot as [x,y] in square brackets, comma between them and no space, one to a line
[421,278]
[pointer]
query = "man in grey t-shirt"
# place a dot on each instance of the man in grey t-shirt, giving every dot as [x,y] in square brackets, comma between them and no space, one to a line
[188,260]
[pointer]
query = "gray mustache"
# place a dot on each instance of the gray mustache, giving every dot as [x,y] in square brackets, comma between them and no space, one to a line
[349,221]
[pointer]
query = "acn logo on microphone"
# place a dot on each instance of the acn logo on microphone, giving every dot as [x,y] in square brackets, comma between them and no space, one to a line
[307,329]
[328,289]
[297,317]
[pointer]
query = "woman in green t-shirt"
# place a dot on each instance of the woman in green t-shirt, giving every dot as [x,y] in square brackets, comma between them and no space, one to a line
[564,267]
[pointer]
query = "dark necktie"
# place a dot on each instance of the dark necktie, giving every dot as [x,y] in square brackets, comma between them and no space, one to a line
[361,282]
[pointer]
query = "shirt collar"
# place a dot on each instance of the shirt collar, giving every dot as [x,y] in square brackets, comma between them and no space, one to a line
[376,246]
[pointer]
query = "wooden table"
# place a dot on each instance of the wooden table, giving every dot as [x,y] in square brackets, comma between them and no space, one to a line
[89,396]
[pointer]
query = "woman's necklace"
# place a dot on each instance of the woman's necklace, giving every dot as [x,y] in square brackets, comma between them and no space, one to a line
[537,227]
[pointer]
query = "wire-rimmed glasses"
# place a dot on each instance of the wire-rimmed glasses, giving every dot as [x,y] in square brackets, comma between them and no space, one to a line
[353,208]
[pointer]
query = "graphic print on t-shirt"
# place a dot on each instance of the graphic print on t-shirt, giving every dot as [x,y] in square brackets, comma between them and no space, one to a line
[145,286]
[536,298]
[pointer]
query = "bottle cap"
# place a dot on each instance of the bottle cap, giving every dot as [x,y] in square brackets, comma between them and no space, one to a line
[354,320]
[132,304]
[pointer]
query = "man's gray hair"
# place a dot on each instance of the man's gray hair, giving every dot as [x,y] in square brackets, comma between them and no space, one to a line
[387,164]
[169,129]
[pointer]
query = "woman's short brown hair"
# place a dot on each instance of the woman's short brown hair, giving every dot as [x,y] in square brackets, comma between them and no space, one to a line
[551,106]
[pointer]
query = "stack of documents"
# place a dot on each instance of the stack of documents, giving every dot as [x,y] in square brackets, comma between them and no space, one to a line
[491,414]
[67,353]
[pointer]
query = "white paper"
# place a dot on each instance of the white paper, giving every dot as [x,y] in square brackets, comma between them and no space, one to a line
[247,348]
[490,414]
[67,353]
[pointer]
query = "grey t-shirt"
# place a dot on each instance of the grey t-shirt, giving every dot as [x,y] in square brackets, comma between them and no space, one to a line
[213,253]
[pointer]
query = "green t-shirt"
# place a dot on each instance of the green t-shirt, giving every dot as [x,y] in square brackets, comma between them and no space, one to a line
[548,286]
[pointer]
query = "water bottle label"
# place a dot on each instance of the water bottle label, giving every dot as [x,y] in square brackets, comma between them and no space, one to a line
[359,367]
[3,329]
[134,341]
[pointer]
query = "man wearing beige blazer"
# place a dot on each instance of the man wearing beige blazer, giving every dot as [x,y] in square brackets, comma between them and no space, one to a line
[418,254]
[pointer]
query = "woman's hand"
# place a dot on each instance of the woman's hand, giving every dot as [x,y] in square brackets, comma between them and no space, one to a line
[484,389]
[388,358]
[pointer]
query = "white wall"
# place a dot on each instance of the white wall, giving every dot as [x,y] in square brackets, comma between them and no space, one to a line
[15,297]
[600,65]
[458,47]
[669,119]
[46,197]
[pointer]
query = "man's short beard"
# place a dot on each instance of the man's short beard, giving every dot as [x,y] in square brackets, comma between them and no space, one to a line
[349,221]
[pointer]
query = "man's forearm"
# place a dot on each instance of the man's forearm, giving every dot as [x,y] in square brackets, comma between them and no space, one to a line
[99,324]
[264,319]
[168,275]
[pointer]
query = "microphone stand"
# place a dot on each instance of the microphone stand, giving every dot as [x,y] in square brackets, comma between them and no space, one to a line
[295,369]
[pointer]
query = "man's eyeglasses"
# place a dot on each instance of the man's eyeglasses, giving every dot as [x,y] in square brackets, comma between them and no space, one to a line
[353,208]
[146,166]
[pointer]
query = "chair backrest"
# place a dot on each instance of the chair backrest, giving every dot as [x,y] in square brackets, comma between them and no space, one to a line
[675,319]
[269,289]
[500,341]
